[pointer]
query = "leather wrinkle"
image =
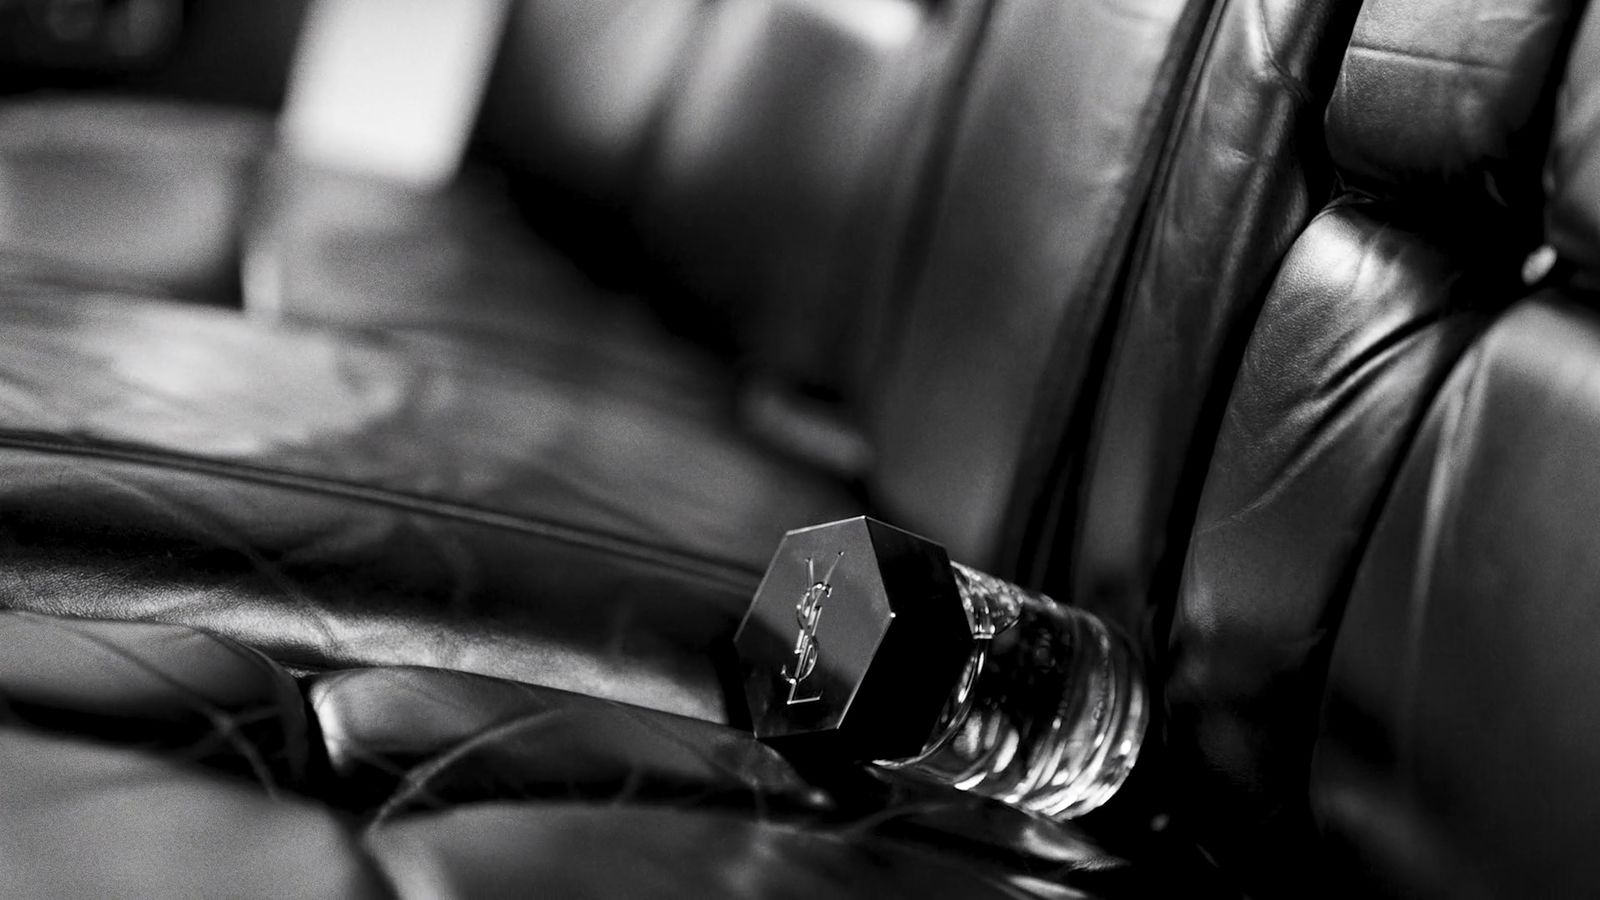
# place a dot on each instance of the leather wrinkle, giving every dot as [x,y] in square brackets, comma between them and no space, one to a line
[1295,84]
[645,722]
[499,740]
[1455,718]
[414,787]
[321,700]
[1281,178]
[417,778]
[227,727]
[1348,393]
[550,642]
[1341,392]
[1410,308]
[196,518]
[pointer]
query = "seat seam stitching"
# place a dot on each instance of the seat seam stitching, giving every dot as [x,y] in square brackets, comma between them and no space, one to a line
[727,573]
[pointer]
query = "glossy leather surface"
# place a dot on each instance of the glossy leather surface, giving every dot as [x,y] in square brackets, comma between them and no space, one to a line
[416,782]
[1248,170]
[452,267]
[1460,726]
[1378,298]
[1449,105]
[586,851]
[846,99]
[408,739]
[413,576]
[872,198]
[1362,324]
[271,463]
[1052,154]
[165,688]
[754,162]
[1573,220]
[83,819]
[147,196]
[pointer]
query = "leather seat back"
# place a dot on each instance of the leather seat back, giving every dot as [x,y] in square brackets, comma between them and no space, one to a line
[1457,752]
[918,208]
[751,162]
[1247,170]
[998,318]
[1436,125]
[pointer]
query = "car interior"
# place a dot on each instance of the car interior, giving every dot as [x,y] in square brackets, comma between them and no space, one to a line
[400,402]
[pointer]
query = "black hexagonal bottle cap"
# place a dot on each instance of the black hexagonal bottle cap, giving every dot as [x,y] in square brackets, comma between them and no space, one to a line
[854,642]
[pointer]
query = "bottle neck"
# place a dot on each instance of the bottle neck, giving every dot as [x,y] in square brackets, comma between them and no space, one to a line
[992,604]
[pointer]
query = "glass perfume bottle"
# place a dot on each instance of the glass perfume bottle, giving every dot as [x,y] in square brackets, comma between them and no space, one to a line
[864,641]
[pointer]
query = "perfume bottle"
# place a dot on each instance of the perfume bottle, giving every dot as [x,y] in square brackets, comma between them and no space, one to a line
[864,641]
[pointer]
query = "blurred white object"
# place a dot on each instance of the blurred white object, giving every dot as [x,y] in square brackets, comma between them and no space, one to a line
[391,88]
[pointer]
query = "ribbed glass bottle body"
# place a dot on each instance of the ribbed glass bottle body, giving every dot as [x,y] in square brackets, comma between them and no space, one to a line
[1050,712]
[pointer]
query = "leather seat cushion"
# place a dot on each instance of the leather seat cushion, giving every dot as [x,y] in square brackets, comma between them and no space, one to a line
[406,740]
[84,820]
[512,849]
[431,783]
[204,698]
[457,264]
[340,496]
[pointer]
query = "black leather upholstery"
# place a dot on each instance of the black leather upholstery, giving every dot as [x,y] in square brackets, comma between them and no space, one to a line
[362,540]
[142,197]
[463,785]
[758,160]
[1573,219]
[345,499]
[1058,141]
[84,819]
[204,699]
[1459,709]
[1378,298]
[1362,316]
[1247,171]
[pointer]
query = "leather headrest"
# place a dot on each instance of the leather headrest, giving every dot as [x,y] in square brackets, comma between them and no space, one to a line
[1573,173]
[1445,101]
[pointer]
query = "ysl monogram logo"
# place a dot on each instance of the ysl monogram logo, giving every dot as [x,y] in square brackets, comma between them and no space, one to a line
[808,612]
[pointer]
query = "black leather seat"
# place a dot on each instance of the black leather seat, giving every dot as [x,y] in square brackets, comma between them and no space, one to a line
[416,579]
[1372,309]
